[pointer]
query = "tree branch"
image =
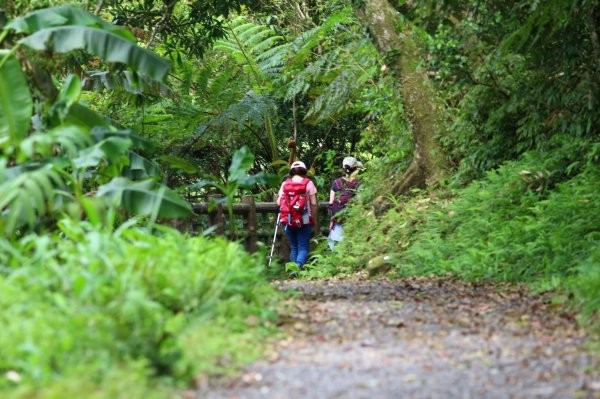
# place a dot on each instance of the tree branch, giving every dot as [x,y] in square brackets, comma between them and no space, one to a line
[163,20]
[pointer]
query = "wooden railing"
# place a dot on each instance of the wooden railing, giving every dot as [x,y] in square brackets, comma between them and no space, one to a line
[248,209]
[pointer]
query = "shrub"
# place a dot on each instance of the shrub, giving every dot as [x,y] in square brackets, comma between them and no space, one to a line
[100,301]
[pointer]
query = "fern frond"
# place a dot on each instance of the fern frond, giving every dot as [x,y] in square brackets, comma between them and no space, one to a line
[297,87]
[256,46]
[27,196]
[251,33]
[252,110]
[218,86]
[268,43]
[336,97]
[280,52]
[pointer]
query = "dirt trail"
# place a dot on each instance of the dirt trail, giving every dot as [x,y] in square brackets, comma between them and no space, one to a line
[419,338]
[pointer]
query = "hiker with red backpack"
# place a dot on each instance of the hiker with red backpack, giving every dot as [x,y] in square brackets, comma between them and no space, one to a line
[342,190]
[297,202]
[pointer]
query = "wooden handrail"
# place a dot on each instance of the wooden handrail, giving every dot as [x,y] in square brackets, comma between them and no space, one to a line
[243,209]
[248,209]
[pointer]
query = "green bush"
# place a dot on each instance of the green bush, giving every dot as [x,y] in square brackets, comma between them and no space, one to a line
[100,301]
[529,221]
[512,227]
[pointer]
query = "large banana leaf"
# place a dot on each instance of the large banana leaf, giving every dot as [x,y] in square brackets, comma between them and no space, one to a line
[242,161]
[64,16]
[108,46]
[82,116]
[143,197]
[139,167]
[127,81]
[16,105]
[138,141]
[111,149]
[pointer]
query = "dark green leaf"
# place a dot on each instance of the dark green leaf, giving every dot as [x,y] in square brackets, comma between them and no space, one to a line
[179,163]
[242,161]
[64,16]
[104,44]
[143,197]
[82,116]
[15,99]
[140,167]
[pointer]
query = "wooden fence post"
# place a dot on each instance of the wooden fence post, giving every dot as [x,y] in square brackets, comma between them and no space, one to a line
[250,224]
[217,218]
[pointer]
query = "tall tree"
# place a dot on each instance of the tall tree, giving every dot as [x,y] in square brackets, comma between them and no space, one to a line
[418,95]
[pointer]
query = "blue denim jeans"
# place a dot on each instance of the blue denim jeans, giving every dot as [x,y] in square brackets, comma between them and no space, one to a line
[299,242]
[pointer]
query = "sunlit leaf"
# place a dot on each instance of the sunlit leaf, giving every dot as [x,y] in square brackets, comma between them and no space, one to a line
[64,16]
[242,161]
[16,104]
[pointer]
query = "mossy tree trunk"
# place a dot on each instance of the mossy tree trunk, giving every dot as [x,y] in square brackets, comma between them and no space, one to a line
[418,94]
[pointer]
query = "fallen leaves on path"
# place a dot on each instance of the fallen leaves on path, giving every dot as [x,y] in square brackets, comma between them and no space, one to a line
[418,338]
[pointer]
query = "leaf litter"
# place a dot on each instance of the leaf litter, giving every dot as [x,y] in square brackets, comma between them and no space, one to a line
[418,338]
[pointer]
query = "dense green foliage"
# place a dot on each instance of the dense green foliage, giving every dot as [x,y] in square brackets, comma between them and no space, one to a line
[96,126]
[86,306]
[521,85]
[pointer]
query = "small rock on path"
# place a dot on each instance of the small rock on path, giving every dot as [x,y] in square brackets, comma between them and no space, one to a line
[418,338]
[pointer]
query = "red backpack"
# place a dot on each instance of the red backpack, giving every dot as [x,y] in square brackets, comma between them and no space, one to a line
[293,209]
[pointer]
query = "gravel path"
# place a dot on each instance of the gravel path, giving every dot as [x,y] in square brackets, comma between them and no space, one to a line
[418,338]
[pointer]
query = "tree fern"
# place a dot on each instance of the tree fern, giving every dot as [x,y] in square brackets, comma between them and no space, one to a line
[257,46]
[252,110]
[331,63]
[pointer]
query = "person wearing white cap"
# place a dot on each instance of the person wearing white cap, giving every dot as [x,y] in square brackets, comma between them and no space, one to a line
[298,209]
[342,190]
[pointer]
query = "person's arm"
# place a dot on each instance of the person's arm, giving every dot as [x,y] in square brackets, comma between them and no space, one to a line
[331,197]
[278,200]
[314,208]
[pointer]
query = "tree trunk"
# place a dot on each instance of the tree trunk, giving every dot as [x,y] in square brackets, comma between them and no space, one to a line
[418,95]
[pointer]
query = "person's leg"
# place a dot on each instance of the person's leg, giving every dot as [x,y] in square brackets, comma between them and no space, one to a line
[335,235]
[331,244]
[292,236]
[304,234]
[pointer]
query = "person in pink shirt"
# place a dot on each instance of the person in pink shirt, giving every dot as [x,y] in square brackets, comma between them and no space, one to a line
[299,233]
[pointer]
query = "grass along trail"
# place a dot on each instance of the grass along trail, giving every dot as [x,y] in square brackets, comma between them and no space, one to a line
[418,338]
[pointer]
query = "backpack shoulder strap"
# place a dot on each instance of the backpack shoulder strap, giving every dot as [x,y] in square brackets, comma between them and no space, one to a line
[304,183]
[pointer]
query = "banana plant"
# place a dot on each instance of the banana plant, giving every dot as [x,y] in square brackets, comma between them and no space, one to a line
[238,178]
[57,156]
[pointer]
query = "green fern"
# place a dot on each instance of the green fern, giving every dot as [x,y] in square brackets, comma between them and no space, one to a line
[336,74]
[27,195]
[252,110]
[256,46]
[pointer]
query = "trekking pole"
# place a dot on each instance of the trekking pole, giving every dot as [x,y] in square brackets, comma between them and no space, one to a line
[274,238]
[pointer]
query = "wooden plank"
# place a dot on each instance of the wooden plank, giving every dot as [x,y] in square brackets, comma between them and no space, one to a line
[217,218]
